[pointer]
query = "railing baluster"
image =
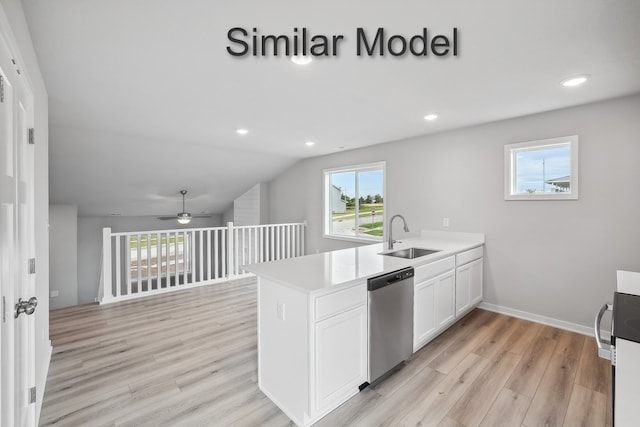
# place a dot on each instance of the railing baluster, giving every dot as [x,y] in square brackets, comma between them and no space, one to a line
[149,277]
[214,255]
[244,251]
[158,260]
[209,257]
[223,252]
[235,252]
[255,245]
[185,258]
[167,265]
[200,256]
[192,257]
[138,262]
[118,262]
[175,259]
[127,249]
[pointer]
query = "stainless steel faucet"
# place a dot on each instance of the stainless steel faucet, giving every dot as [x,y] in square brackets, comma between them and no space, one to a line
[406,229]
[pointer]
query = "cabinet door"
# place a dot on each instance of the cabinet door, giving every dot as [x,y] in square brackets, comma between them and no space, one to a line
[463,289]
[468,286]
[433,307]
[476,281]
[340,356]
[424,312]
[445,295]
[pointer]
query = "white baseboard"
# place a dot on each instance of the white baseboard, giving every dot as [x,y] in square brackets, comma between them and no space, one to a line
[42,382]
[561,324]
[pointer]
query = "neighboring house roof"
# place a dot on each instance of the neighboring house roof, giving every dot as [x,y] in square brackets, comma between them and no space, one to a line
[564,181]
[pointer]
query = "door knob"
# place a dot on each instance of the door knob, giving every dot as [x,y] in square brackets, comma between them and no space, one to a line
[26,307]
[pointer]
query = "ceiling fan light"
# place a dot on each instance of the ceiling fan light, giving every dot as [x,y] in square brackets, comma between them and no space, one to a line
[184,217]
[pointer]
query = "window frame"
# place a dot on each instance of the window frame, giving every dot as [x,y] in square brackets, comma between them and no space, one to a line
[327,217]
[510,173]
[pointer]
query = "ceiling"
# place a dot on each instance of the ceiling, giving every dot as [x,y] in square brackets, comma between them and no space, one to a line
[144,99]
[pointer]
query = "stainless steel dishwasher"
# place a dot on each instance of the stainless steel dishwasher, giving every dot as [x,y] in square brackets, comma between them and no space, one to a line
[390,321]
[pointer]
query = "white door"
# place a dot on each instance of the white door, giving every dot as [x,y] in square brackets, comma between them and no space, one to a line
[17,242]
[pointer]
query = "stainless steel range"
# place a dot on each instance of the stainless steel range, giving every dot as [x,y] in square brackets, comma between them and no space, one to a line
[623,350]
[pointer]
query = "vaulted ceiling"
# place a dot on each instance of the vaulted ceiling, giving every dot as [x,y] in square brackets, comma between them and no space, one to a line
[145,100]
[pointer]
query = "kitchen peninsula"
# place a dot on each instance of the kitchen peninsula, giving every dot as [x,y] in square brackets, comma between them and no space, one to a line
[313,319]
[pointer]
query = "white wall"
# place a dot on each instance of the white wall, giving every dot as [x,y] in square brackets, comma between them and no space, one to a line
[15,16]
[246,208]
[551,258]
[90,243]
[63,244]
[227,216]
[264,203]
[252,207]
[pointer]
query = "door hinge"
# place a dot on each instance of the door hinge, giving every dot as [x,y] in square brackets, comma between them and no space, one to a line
[32,136]
[32,395]
[1,89]
[4,310]
[32,266]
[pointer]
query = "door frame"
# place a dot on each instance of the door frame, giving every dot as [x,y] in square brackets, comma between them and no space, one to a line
[22,248]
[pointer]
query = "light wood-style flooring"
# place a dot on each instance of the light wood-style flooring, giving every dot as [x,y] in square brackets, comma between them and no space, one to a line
[189,358]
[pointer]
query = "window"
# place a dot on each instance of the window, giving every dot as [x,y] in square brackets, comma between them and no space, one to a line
[354,202]
[542,170]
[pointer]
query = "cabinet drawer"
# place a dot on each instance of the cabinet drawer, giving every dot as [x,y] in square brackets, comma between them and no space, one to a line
[470,255]
[433,269]
[337,302]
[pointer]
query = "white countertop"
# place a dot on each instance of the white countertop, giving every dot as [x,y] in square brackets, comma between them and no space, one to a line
[326,271]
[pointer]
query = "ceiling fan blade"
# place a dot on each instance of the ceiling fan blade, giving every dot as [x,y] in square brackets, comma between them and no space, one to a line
[201,216]
[164,218]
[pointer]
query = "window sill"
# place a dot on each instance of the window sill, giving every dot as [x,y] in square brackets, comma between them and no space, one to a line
[552,196]
[352,239]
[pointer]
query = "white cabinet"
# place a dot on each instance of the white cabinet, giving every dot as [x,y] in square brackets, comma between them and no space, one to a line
[433,307]
[340,351]
[312,350]
[433,300]
[468,286]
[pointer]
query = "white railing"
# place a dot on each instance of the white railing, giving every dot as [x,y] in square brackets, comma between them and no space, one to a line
[136,264]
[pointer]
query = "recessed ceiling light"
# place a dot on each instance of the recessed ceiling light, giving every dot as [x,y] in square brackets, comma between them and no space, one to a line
[431,117]
[309,143]
[301,59]
[575,81]
[242,131]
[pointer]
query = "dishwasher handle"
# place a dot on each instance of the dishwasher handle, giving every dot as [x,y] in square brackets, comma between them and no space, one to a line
[603,352]
[376,283]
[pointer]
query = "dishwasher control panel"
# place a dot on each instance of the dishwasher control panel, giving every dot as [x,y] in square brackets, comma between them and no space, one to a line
[389,278]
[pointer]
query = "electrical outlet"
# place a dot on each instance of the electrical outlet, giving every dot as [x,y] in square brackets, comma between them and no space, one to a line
[55,294]
[445,222]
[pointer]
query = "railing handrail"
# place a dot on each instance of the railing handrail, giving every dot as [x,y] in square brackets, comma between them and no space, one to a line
[183,230]
[269,225]
[185,257]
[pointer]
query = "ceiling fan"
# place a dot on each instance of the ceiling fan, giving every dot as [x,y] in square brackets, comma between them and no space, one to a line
[183,217]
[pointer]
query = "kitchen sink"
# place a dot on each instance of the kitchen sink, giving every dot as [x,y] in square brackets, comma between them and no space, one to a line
[411,253]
